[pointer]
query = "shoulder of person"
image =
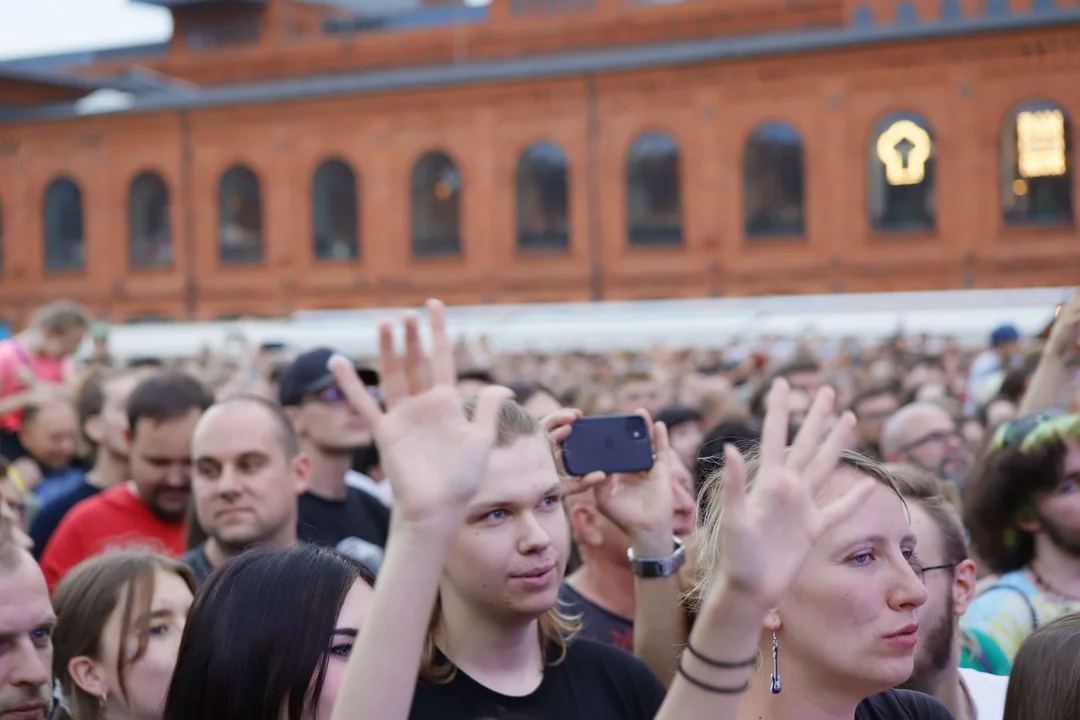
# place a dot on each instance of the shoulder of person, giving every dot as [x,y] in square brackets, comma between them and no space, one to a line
[904,705]
[584,655]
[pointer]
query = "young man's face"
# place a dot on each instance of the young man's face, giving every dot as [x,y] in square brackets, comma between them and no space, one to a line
[507,563]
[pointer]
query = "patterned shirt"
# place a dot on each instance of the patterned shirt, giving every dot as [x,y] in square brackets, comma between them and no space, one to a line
[1008,612]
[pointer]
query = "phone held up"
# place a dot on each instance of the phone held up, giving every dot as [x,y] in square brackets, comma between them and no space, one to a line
[608,444]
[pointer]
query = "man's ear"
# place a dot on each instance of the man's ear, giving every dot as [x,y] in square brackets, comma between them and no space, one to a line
[301,466]
[88,676]
[584,521]
[964,579]
[94,428]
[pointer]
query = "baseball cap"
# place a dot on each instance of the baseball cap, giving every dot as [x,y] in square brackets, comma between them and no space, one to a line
[310,373]
[1003,336]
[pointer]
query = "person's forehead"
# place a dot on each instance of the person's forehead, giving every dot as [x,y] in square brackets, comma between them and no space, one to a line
[166,433]
[926,531]
[878,401]
[24,597]
[235,429]
[518,472]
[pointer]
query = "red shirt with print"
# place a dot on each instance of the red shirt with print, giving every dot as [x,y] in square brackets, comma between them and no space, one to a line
[112,520]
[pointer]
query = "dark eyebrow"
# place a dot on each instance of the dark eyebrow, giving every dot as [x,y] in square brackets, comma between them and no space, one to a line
[348,632]
[879,540]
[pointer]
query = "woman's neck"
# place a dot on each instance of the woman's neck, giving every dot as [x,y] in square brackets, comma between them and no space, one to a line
[800,697]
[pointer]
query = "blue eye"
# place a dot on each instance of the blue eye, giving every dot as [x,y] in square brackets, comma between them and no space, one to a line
[862,558]
[550,500]
[496,515]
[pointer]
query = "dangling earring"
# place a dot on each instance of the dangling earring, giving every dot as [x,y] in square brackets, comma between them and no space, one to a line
[103,699]
[775,665]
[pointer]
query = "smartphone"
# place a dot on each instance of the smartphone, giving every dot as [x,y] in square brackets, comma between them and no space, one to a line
[609,444]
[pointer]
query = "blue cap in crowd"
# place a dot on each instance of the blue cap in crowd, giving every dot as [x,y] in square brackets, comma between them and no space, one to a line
[1003,336]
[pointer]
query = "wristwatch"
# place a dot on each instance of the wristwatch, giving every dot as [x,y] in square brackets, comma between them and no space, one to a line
[657,568]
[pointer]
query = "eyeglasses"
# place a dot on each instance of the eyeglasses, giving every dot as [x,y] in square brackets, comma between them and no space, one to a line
[920,571]
[941,436]
[1033,432]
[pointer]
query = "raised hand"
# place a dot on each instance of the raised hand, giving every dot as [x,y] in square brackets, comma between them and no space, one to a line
[768,532]
[558,427]
[435,457]
[1065,334]
[642,503]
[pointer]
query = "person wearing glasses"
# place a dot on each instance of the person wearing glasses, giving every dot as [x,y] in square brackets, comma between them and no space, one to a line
[923,434]
[333,512]
[949,663]
[1022,507]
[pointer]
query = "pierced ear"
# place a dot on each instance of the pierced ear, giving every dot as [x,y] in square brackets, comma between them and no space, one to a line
[772,621]
[88,675]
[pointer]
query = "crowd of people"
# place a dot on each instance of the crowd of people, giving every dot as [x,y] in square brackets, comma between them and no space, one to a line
[877,531]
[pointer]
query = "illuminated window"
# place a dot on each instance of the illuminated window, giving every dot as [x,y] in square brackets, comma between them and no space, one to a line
[335,212]
[543,221]
[436,206]
[64,241]
[773,167]
[149,233]
[240,236]
[653,203]
[1036,165]
[901,183]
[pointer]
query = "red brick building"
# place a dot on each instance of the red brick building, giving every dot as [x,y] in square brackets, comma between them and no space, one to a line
[278,155]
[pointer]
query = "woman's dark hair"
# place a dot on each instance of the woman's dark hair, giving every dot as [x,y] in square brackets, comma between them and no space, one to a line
[258,636]
[1000,492]
[1043,683]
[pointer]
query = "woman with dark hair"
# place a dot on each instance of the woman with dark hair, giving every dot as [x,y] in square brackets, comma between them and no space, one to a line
[119,621]
[1043,684]
[269,636]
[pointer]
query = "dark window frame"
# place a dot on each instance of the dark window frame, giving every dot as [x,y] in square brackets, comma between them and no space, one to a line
[76,220]
[424,194]
[551,186]
[774,166]
[137,239]
[241,256]
[1047,190]
[900,196]
[323,205]
[657,232]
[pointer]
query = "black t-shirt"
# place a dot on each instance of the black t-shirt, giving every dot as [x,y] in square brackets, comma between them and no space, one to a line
[594,682]
[50,514]
[356,526]
[902,705]
[196,559]
[596,622]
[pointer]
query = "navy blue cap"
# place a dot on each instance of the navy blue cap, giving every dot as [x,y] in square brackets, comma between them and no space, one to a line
[309,374]
[1003,336]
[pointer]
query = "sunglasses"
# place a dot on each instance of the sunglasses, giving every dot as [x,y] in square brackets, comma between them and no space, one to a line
[1033,432]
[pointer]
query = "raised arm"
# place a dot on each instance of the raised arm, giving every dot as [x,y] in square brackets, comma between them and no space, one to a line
[434,458]
[1051,380]
[763,541]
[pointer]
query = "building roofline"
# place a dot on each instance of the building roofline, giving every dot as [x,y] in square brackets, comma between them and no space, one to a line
[81,58]
[74,83]
[622,59]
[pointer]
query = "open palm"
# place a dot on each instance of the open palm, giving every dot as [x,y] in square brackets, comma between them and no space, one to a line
[768,532]
[641,502]
[435,457]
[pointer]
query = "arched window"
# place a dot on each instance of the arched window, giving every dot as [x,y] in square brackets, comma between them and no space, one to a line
[436,206]
[1036,165]
[906,14]
[901,190]
[951,10]
[334,207]
[240,238]
[543,218]
[64,241]
[773,167]
[149,229]
[653,202]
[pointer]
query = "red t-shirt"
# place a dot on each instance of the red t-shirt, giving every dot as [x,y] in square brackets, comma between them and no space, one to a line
[112,520]
[13,358]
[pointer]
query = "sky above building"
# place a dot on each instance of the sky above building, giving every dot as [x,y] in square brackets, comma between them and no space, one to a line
[45,27]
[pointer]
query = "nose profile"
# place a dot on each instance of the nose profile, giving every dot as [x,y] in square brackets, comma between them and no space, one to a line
[534,538]
[908,592]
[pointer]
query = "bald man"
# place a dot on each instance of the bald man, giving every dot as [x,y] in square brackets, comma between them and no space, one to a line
[602,589]
[26,623]
[923,434]
[247,473]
